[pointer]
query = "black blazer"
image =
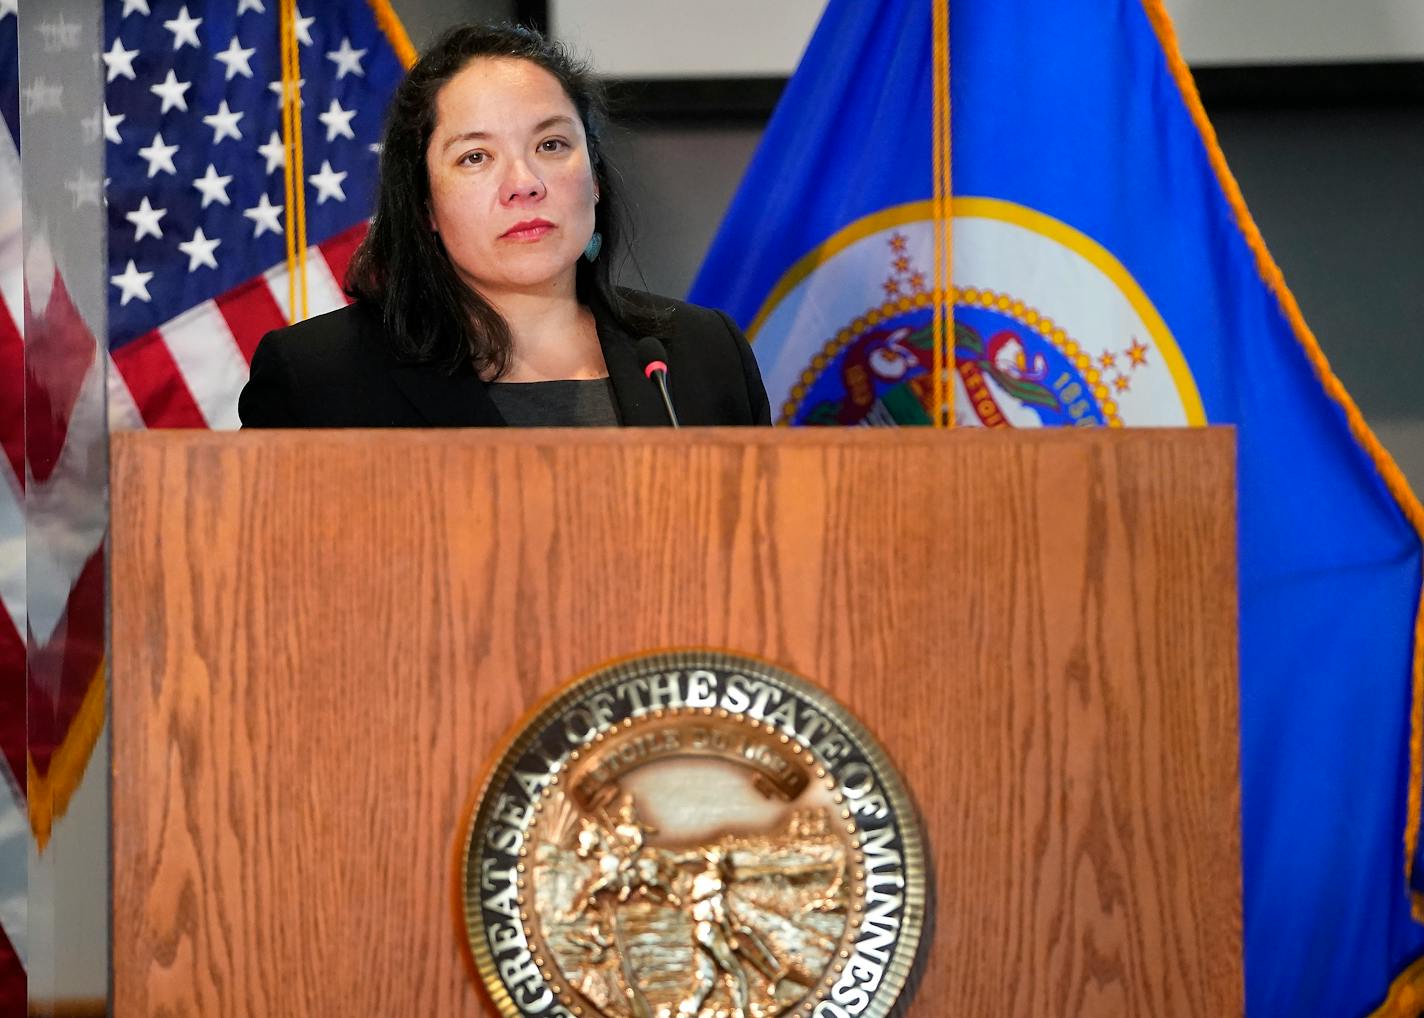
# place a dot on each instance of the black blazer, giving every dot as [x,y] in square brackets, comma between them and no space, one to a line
[336,371]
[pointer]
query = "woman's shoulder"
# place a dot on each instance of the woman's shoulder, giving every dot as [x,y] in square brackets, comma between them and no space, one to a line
[671,310]
[354,330]
[705,344]
[328,371]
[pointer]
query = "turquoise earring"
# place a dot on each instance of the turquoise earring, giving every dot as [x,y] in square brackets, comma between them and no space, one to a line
[594,245]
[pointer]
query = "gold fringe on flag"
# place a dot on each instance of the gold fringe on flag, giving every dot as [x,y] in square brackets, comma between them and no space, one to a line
[390,25]
[1406,994]
[47,795]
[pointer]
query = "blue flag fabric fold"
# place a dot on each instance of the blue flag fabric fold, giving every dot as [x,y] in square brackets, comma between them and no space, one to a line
[1106,273]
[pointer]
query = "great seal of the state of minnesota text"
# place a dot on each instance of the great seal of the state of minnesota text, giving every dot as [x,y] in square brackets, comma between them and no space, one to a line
[693,834]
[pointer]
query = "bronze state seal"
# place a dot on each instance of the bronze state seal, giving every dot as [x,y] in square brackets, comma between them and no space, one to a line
[693,835]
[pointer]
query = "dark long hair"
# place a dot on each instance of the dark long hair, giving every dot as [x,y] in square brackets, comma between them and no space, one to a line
[430,314]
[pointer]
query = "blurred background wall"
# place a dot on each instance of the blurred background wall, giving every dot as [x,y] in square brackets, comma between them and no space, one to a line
[1319,107]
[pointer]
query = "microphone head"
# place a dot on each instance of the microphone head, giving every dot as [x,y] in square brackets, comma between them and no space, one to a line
[653,355]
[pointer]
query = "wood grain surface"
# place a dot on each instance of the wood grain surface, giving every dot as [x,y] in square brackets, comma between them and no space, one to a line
[319,638]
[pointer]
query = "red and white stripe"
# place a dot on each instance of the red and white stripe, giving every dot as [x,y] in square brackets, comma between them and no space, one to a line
[188,372]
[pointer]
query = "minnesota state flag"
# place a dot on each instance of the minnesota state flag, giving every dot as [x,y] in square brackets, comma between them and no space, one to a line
[1028,192]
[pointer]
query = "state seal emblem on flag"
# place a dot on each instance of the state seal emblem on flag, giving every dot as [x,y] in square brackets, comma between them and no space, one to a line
[693,834]
[1049,328]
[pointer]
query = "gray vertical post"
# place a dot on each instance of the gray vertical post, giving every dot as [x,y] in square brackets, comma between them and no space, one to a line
[66,502]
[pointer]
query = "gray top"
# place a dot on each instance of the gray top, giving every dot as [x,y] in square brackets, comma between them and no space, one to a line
[564,403]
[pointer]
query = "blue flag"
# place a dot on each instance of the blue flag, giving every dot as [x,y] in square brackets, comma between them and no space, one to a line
[1106,272]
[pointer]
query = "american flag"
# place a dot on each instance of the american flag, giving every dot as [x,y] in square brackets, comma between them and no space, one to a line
[199,222]
[198,207]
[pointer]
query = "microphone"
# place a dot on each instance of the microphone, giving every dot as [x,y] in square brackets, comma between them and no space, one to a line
[654,357]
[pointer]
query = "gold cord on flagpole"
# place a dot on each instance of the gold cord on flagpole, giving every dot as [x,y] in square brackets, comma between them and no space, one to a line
[937,320]
[296,232]
[947,284]
[943,327]
[286,26]
[299,173]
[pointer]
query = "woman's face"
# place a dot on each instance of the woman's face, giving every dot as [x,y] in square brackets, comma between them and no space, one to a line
[511,187]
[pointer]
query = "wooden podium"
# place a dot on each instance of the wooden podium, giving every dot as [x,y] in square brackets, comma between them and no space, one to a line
[319,639]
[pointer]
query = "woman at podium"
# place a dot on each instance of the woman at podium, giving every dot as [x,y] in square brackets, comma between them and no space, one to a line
[483,292]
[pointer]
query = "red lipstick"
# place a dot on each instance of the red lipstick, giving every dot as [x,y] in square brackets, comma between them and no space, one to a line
[529,229]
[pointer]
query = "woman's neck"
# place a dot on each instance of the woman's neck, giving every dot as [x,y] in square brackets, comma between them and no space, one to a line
[550,338]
